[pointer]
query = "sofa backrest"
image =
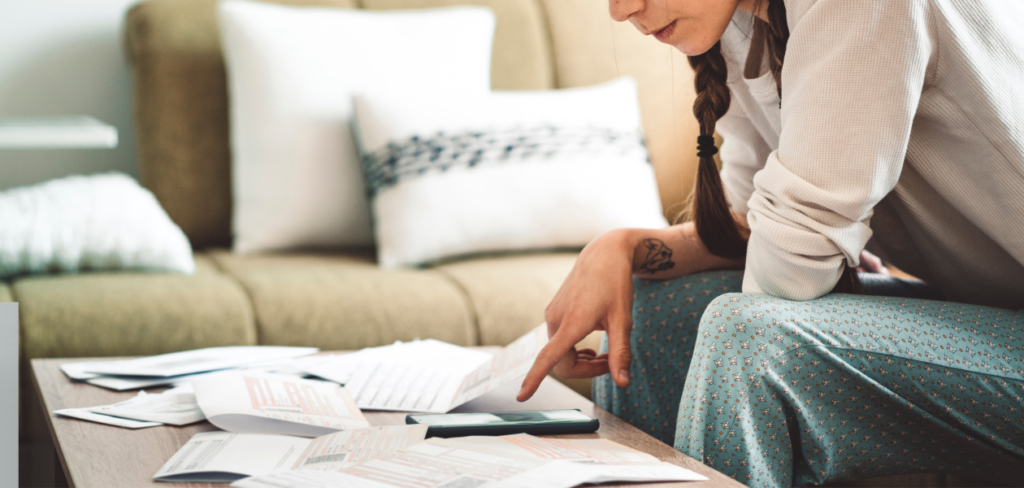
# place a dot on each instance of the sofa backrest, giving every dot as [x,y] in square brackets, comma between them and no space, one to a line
[181,102]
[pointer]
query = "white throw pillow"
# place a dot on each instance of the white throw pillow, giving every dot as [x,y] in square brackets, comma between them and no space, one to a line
[292,72]
[79,223]
[507,171]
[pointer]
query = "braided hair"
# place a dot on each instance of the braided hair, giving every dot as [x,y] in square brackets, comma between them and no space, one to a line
[720,233]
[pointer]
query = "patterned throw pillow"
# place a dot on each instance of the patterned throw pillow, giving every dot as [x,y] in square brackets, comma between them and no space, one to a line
[506,171]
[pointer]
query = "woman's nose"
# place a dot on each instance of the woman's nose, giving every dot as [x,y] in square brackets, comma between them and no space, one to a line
[622,10]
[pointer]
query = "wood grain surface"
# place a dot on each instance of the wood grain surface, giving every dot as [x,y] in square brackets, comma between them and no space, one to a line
[97,455]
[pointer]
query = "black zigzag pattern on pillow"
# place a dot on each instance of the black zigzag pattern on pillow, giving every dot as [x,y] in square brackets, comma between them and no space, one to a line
[417,156]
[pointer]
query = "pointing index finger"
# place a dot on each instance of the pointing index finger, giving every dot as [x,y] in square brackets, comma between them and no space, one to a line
[553,352]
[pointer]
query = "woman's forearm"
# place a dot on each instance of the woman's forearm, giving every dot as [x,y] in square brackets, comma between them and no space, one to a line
[673,251]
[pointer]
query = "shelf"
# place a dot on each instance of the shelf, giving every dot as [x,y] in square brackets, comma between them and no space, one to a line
[56,132]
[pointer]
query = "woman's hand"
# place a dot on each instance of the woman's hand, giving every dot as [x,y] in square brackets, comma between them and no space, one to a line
[871,264]
[597,295]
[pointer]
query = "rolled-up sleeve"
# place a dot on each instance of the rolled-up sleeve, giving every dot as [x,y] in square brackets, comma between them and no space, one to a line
[852,80]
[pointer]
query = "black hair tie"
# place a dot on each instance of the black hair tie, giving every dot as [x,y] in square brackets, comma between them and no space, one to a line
[706,146]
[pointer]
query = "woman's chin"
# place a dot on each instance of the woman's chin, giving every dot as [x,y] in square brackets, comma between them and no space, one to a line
[691,47]
[694,39]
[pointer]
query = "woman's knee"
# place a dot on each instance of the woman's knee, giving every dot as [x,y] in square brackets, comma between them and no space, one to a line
[734,330]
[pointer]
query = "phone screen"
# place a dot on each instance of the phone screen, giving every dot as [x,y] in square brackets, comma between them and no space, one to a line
[536,416]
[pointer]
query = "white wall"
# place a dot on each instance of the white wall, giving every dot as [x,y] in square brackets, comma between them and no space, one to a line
[64,57]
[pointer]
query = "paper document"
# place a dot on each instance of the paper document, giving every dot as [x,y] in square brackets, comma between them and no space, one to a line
[566,474]
[579,461]
[77,371]
[195,361]
[224,456]
[575,461]
[599,450]
[85,414]
[447,463]
[428,376]
[426,465]
[427,352]
[124,383]
[341,450]
[412,376]
[305,479]
[270,404]
[176,406]
[289,366]
[512,362]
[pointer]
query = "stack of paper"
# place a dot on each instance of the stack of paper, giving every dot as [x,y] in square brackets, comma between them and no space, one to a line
[182,367]
[428,376]
[507,462]
[269,419]
[179,406]
[285,431]
[225,456]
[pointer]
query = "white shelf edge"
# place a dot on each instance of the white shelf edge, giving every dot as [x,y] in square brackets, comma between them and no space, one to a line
[78,132]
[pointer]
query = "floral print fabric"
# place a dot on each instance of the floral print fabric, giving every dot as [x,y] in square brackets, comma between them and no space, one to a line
[775,393]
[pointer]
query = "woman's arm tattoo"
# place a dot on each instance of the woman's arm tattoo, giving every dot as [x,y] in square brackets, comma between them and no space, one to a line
[659,257]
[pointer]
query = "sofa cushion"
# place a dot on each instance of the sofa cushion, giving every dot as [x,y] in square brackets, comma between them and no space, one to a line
[344,301]
[522,54]
[181,111]
[509,293]
[118,314]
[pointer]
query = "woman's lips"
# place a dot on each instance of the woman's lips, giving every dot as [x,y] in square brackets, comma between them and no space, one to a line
[665,32]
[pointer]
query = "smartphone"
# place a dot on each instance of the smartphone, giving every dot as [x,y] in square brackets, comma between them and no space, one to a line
[536,422]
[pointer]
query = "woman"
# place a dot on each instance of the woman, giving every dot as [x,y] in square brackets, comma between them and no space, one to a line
[899,122]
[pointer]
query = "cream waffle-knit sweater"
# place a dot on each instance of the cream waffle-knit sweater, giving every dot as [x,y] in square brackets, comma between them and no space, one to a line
[902,125]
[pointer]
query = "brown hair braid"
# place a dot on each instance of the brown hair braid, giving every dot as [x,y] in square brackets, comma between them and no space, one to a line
[716,227]
[711,215]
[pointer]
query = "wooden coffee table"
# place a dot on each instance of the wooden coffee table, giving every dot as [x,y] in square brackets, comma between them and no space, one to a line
[94,455]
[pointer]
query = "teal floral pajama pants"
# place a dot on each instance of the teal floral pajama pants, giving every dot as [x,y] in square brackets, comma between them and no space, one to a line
[778,393]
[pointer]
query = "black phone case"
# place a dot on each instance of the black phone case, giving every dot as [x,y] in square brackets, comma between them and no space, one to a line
[510,428]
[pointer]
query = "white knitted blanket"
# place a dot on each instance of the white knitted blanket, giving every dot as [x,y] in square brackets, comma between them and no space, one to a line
[81,223]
